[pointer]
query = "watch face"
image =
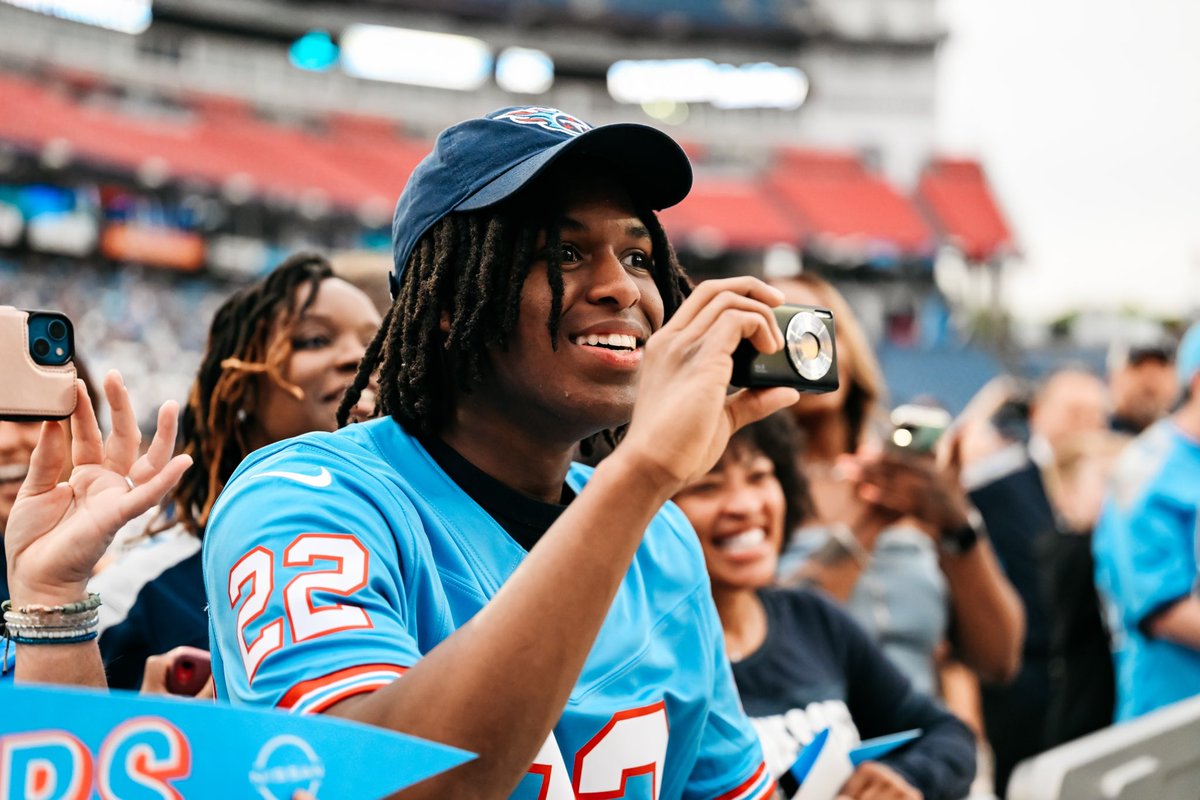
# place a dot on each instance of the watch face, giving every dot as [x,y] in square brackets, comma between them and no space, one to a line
[958,541]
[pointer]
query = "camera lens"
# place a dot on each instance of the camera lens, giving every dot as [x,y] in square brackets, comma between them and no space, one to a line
[809,345]
[41,348]
[57,329]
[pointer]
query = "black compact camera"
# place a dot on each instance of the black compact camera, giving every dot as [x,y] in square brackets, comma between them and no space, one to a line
[808,360]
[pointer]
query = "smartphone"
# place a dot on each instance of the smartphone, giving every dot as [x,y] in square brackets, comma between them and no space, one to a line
[36,351]
[808,360]
[916,429]
[189,672]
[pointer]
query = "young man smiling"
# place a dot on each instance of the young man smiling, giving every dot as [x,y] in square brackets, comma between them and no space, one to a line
[554,620]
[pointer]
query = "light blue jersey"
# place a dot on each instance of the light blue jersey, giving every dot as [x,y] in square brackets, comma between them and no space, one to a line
[1145,551]
[333,562]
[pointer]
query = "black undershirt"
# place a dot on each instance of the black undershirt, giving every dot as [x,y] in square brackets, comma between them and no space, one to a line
[522,517]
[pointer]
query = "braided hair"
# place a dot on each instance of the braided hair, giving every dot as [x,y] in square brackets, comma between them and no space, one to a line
[248,337]
[471,267]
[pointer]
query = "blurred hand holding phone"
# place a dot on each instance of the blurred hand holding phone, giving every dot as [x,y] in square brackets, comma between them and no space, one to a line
[916,429]
[36,348]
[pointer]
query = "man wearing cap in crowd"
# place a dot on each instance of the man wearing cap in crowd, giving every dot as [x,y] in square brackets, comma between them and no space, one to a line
[1142,383]
[554,620]
[1145,550]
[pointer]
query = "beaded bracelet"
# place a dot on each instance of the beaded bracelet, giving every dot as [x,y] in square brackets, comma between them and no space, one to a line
[79,606]
[65,624]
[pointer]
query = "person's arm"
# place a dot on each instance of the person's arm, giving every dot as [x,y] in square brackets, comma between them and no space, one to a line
[1146,565]
[57,532]
[1178,622]
[498,668]
[989,619]
[941,763]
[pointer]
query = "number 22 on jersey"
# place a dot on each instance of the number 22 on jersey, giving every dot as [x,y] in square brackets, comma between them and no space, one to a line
[253,579]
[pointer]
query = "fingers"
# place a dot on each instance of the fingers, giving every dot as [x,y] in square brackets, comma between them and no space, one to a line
[161,446]
[154,674]
[86,445]
[46,463]
[123,444]
[703,295]
[729,318]
[142,497]
[750,405]
[875,781]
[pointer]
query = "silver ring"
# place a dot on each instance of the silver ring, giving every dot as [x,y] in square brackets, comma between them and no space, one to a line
[129,482]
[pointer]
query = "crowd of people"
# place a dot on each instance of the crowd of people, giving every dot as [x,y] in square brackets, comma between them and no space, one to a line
[522,508]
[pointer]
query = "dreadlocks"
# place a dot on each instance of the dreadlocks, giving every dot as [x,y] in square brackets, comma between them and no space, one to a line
[248,337]
[471,267]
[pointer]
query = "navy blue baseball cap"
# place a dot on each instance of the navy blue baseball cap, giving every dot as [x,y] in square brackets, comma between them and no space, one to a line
[480,162]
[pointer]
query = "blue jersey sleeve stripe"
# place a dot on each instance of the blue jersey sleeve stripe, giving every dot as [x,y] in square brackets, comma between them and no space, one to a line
[316,695]
[759,786]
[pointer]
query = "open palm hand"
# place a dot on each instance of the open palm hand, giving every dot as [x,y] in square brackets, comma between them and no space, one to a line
[58,531]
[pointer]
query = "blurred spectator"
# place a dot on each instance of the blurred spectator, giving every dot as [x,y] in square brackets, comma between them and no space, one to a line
[1082,689]
[1070,401]
[801,663]
[903,582]
[1143,384]
[1004,481]
[1145,550]
[281,354]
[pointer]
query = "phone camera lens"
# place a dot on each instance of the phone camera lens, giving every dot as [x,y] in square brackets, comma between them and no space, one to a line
[57,329]
[41,348]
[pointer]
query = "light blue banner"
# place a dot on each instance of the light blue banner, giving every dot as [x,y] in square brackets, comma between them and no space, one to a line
[74,744]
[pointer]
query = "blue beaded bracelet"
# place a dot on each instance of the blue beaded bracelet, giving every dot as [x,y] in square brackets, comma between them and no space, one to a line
[86,637]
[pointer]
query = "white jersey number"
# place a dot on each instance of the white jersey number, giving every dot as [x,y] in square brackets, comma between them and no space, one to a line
[349,574]
[633,743]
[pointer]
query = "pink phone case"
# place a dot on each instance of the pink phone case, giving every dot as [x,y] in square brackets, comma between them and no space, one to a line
[30,391]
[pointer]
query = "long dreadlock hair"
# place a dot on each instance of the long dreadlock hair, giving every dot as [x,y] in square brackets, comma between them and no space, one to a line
[472,267]
[249,337]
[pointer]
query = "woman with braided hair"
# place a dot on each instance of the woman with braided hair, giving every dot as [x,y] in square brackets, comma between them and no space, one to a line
[280,355]
[445,570]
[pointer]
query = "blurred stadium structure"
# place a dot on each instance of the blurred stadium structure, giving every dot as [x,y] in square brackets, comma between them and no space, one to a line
[145,171]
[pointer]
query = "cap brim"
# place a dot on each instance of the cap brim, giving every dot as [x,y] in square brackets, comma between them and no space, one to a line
[659,172]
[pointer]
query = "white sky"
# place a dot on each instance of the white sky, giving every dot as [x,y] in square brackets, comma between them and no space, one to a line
[1086,116]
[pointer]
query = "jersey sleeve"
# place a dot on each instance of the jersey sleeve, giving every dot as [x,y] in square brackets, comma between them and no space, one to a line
[1154,558]
[302,569]
[730,764]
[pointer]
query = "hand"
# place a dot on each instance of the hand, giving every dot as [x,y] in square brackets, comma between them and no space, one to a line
[875,781]
[58,531]
[684,416]
[895,486]
[154,676]
[968,443]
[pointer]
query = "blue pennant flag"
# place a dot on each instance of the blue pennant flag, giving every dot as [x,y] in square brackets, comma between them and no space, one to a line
[73,744]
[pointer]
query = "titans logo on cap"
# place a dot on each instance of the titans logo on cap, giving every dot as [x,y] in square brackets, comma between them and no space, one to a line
[549,118]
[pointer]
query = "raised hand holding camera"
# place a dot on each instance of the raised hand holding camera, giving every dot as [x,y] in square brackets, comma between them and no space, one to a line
[684,415]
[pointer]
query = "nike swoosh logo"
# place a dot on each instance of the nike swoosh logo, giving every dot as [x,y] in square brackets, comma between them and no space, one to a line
[318,481]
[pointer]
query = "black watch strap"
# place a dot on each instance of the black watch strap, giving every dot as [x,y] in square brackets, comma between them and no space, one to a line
[963,539]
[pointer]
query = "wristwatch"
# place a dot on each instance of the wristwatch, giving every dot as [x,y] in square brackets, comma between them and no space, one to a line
[960,540]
